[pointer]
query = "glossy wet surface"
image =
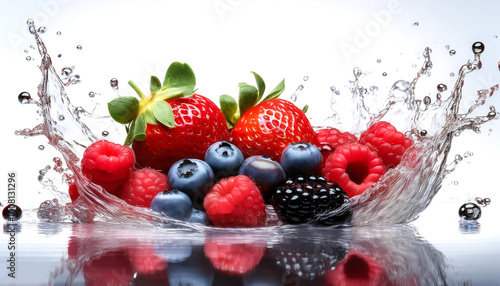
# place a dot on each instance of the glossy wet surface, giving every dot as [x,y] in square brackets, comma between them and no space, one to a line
[112,254]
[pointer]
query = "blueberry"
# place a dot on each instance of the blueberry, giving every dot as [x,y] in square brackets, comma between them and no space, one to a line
[265,172]
[198,216]
[193,177]
[301,158]
[174,204]
[224,158]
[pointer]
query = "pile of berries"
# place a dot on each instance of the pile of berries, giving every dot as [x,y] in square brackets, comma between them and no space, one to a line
[195,162]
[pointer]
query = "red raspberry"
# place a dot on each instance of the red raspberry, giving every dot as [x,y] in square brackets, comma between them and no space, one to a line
[108,164]
[235,202]
[354,167]
[331,138]
[357,269]
[141,186]
[234,258]
[144,260]
[389,143]
[110,268]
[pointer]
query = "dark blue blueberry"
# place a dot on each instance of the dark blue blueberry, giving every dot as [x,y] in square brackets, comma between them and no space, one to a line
[173,251]
[196,270]
[198,216]
[265,172]
[193,177]
[224,158]
[301,158]
[174,204]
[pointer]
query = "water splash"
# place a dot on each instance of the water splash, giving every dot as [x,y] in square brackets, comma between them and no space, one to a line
[399,197]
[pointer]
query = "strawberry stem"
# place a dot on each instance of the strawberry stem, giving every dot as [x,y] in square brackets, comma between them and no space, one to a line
[137,89]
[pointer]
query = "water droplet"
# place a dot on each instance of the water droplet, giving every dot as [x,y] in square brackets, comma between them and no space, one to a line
[496,36]
[91,94]
[452,74]
[416,24]
[373,88]
[469,211]
[423,133]
[447,47]
[32,47]
[427,100]
[401,85]
[334,90]
[452,52]
[357,72]
[455,183]
[458,157]
[114,83]
[59,55]
[414,65]
[28,58]
[478,48]
[442,87]
[79,47]
[384,74]
[479,200]
[42,30]
[58,33]
[486,202]
[30,22]
[61,117]
[379,61]
[105,133]
[306,78]
[12,213]
[41,147]
[26,50]
[66,71]
[32,29]
[24,97]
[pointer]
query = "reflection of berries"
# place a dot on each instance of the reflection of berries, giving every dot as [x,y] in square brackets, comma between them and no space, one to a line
[234,258]
[145,261]
[354,167]
[111,268]
[235,202]
[357,269]
[108,164]
[142,186]
[389,143]
[312,199]
[331,138]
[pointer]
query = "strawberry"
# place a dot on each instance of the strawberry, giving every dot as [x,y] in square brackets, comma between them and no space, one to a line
[142,185]
[108,164]
[171,123]
[235,202]
[354,167]
[389,143]
[266,127]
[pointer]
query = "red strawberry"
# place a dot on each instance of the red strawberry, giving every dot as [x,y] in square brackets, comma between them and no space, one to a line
[171,123]
[357,269]
[269,127]
[331,138]
[144,260]
[234,258]
[235,202]
[389,143]
[108,164]
[141,186]
[354,167]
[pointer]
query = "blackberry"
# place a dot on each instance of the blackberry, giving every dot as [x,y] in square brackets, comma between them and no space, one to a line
[312,199]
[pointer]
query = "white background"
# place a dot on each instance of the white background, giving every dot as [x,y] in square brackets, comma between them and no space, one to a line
[223,40]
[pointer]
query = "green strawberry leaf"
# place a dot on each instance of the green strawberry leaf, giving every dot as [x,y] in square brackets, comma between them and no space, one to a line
[130,134]
[229,108]
[170,93]
[123,109]
[261,85]
[155,84]
[150,117]
[163,113]
[276,92]
[249,96]
[140,128]
[180,75]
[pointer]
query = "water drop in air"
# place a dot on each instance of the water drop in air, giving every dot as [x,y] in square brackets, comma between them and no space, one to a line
[452,52]
[58,33]
[42,30]
[416,24]
[423,133]
[427,100]
[478,48]
[28,58]
[442,87]
[384,74]
[12,213]
[469,211]
[41,147]
[105,133]
[334,90]
[26,50]
[306,78]
[61,117]
[66,71]
[91,94]
[114,83]
[379,60]
[24,97]
[79,47]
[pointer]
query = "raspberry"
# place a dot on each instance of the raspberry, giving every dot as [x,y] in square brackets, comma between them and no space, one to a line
[110,268]
[354,167]
[234,258]
[141,186]
[311,199]
[357,269]
[389,143]
[108,164]
[235,202]
[331,138]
